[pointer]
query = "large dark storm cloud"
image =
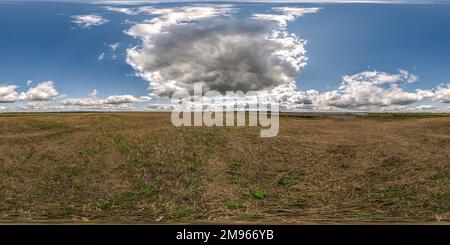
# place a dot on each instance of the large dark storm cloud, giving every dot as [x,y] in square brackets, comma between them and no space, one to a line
[224,55]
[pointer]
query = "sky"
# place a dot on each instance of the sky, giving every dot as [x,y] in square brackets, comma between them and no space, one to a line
[315,56]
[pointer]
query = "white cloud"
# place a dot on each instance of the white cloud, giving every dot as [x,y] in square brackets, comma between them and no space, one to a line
[288,14]
[224,55]
[161,107]
[101,56]
[8,94]
[377,77]
[372,88]
[93,101]
[93,94]
[86,21]
[38,105]
[124,2]
[138,2]
[425,107]
[114,46]
[303,98]
[442,93]
[173,16]
[43,91]
[124,99]
[367,91]
[128,11]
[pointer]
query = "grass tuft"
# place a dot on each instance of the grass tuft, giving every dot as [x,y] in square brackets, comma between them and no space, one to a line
[234,204]
[258,193]
[184,214]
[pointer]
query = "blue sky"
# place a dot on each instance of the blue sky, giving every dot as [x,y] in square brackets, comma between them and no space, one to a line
[374,45]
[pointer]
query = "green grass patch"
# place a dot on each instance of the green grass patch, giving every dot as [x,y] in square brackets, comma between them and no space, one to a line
[258,193]
[91,147]
[195,165]
[365,215]
[390,191]
[146,191]
[121,144]
[46,191]
[442,210]
[126,197]
[234,204]
[301,202]
[191,183]
[101,205]
[53,206]
[140,159]
[286,182]
[67,171]
[394,192]
[49,125]
[143,191]
[235,164]
[300,171]
[183,214]
[234,179]
[211,177]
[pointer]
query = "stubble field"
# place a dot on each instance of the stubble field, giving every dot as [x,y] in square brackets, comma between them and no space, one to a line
[138,168]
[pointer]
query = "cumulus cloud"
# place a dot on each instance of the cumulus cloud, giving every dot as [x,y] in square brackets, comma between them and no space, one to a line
[373,88]
[43,91]
[425,107]
[303,97]
[86,21]
[377,77]
[367,91]
[184,45]
[253,54]
[225,55]
[442,93]
[93,101]
[125,99]
[38,105]
[161,107]
[8,94]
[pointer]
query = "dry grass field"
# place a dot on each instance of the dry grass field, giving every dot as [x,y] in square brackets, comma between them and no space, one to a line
[138,168]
